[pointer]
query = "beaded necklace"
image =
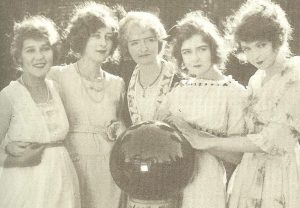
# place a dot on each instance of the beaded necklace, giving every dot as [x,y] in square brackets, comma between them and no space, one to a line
[96,86]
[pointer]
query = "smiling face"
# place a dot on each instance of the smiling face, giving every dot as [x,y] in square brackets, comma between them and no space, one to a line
[99,45]
[261,54]
[36,57]
[142,45]
[196,55]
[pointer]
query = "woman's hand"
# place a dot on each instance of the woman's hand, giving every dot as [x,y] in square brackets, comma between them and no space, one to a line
[31,156]
[114,129]
[16,149]
[198,139]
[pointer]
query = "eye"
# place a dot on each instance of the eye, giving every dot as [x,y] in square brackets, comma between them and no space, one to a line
[30,50]
[108,37]
[153,39]
[46,48]
[261,45]
[203,49]
[96,35]
[244,50]
[133,43]
[185,52]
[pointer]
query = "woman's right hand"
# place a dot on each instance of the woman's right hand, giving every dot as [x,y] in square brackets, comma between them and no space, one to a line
[16,149]
[31,156]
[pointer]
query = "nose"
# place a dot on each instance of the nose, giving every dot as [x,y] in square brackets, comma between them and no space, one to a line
[39,54]
[102,42]
[196,56]
[144,46]
[253,55]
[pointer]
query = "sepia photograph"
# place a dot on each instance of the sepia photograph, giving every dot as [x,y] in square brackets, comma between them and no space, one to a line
[150,103]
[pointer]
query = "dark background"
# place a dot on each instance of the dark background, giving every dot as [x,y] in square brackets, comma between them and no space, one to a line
[169,11]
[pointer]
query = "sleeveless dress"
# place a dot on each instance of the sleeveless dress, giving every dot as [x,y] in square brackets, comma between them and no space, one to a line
[52,183]
[215,107]
[271,179]
[88,141]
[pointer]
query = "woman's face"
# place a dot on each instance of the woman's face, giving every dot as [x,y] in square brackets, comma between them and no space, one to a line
[142,45]
[196,55]
[261,54]
[36,57]
[99,45]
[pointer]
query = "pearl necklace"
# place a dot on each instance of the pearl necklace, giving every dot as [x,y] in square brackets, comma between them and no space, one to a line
[96,86]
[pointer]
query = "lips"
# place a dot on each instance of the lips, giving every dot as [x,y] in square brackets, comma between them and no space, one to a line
[39,65]
[144,55]
[259,62]
[101,51]
[197,65]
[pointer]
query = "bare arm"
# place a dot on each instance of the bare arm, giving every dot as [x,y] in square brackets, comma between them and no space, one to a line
[5,117]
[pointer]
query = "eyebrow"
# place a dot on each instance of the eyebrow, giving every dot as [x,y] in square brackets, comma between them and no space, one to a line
[142,39]
[200,46]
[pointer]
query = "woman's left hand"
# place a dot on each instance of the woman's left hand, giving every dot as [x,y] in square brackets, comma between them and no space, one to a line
[197,139]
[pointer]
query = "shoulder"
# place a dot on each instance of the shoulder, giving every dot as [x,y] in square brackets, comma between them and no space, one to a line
[5,101]
[115,81]
[60,70]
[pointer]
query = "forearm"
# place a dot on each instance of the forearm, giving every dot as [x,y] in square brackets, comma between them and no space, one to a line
[233,144]
[3,157]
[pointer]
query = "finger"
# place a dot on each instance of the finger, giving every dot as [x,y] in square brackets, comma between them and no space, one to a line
[21,144]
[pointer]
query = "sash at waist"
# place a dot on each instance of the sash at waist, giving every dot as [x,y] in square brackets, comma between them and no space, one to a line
[82,128]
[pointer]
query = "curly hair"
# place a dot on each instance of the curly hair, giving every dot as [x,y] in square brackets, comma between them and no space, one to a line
[194,23]
[87,19]
[144,20]
[37,28]
[259,20]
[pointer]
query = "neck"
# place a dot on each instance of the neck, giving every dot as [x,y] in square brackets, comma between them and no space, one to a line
[150,69]
[89,69]
[211,74]
[276,67]
[32,81]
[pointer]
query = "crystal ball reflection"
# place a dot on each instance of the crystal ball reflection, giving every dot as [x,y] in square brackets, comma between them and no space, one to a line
[151,161]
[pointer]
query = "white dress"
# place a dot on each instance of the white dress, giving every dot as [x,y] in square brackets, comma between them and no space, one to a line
[217,108]
[52,183]
[90,113]
[271,179]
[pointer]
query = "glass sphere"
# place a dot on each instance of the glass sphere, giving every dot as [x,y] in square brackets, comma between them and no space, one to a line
[151,161]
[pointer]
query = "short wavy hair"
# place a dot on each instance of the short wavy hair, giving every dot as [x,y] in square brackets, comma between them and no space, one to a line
[145,20]
[194,23]
[37,28]
[86,20]
[259,20]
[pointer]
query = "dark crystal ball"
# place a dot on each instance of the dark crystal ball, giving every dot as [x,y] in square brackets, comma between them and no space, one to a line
[151,161]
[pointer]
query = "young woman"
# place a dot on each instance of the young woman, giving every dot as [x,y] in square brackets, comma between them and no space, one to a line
[208,101]
[92,99]
[37,170]
[141,38]
[269,173]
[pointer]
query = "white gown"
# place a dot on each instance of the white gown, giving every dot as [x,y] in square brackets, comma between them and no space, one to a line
[215,107]
[52,183]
